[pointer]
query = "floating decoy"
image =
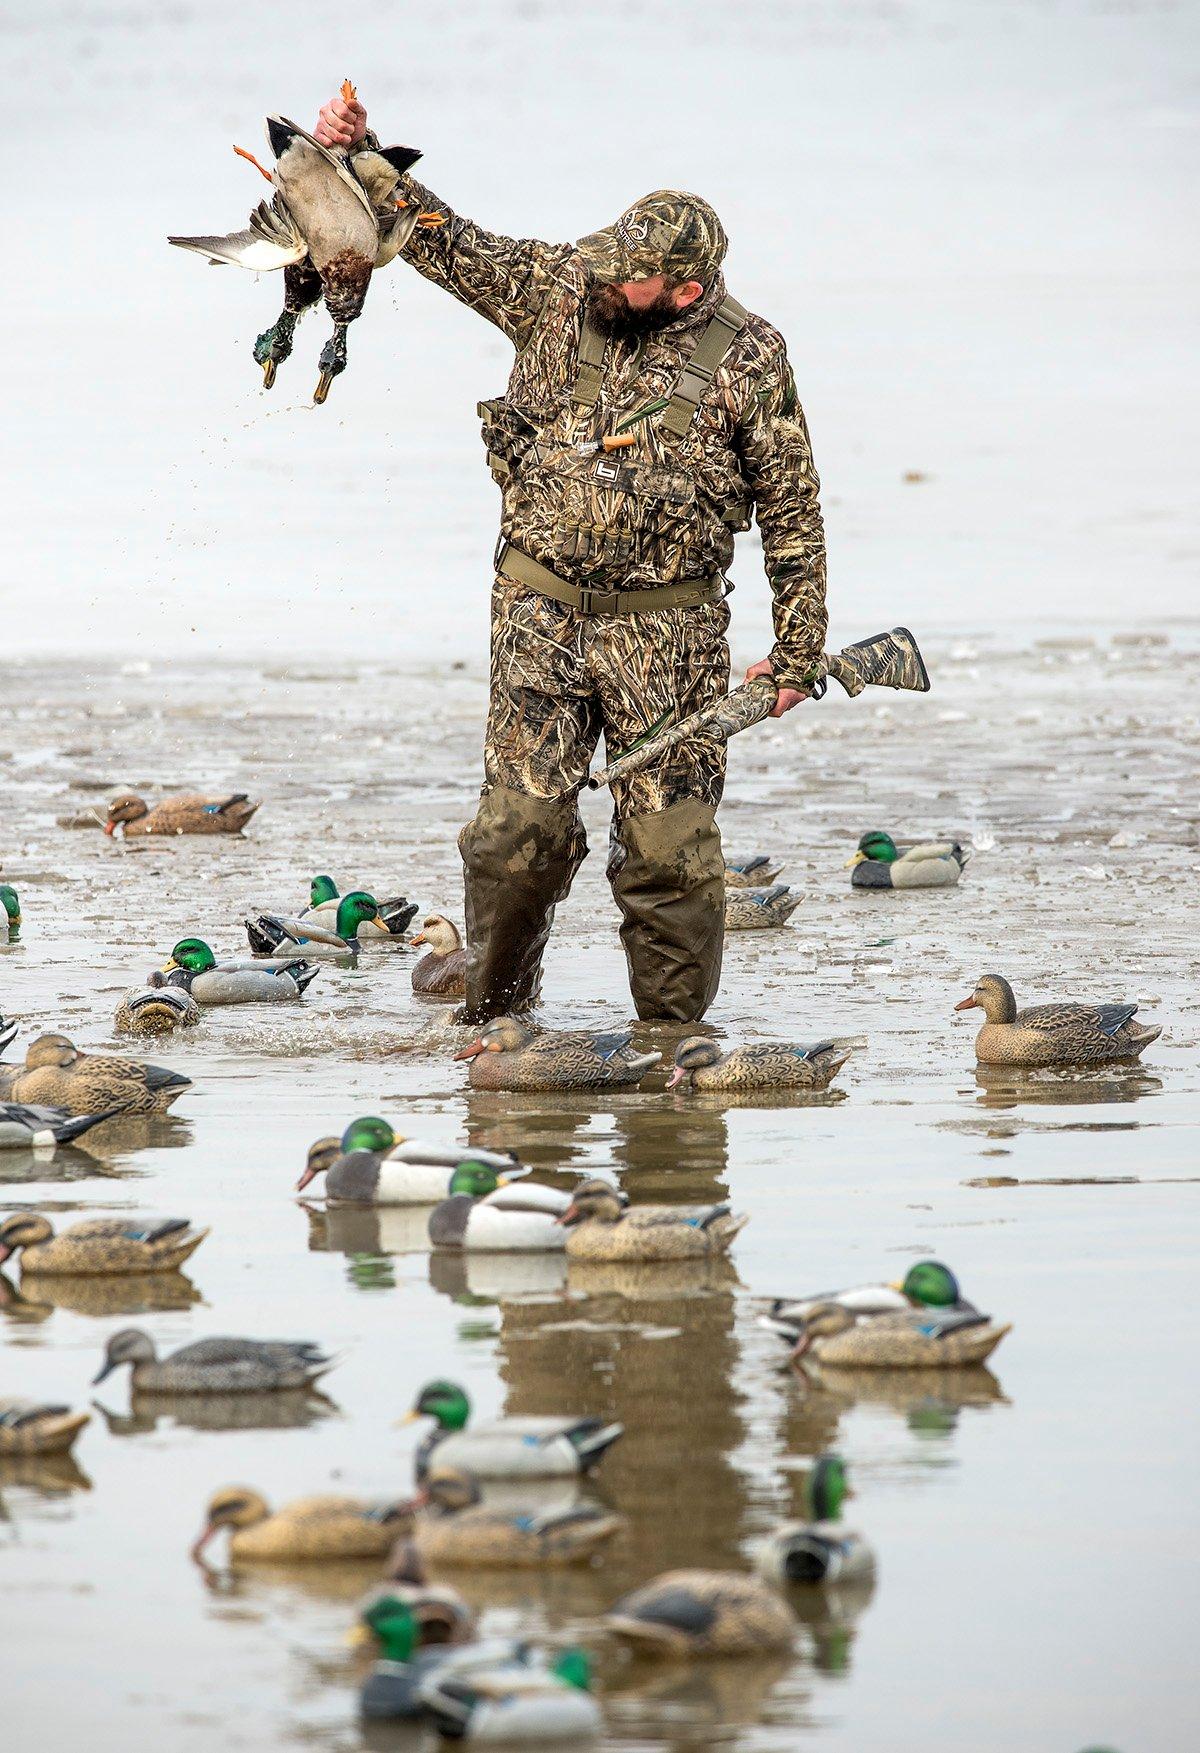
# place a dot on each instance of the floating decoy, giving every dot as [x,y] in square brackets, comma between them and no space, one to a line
[520,1703]
[508,1055]
[101,1245]
[191,813]
[35,1427]
[308,1528]
[334,218]
[703,1613]
[822,1549]
[751,873]
[193,967]
[60,1075]
[602,1225]
[396,914]
[216,1366]
[1053,1034]
[442,970]
[926,1285]
[156,1009]
[403,1625]
[442,1614]
[880,864]
[12,908]
[371,1165]
[270,934]
[505,1448]
[915,1338]
[767,1065]
[458,1528]
[487,1213]
[30,1127]
[759,909]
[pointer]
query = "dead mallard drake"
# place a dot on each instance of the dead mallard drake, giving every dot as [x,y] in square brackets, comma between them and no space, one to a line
[216,1366]
[754,909]
[602,1225]
[703,1613]
[190,813]
[1053,1034]
[442,970]
[36,1427]
[309,1528]
[766,1065]
[100,1245]
[880,864]
[57,1074]
[508,1055]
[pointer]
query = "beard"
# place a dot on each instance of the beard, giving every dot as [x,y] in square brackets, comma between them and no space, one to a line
[611,314]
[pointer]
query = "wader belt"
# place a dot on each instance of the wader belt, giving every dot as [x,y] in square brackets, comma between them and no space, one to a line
[689,593]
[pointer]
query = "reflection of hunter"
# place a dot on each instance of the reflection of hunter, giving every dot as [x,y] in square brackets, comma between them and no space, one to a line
[648,417]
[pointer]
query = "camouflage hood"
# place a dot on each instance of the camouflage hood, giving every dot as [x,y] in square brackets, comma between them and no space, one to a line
[666,232]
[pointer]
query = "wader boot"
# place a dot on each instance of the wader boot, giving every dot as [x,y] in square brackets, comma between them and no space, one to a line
[520,855]
[668,879]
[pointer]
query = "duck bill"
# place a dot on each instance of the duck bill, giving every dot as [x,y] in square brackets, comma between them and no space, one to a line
[269,369]
[859,858]
[196,1550]
[324,385]
[420,938]
[571,1215]
[473,1051]
[168,965]
[361,1638]
[5,1252]
[676,1078]
[310,1174]
[412,1417]
[106,1369]
[110,828]
[967,1003]
[798,1350]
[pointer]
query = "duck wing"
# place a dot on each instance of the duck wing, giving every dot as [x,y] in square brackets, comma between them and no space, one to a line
[286,138]
[272,240]
[608,1046]
[1049,1019]
[132,1229]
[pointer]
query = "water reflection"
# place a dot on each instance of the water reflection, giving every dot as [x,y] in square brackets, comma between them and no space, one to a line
[117,1293]
[70,1162]
[290,1410]
[696,1704]
[49,1475]
[1014,1086]
[928,1401]
[830,1619]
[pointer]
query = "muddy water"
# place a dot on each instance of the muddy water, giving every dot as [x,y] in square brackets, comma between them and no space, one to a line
[1030,1521]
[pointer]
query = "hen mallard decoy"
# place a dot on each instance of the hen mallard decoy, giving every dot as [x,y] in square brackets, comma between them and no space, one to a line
[395,914]
[271,934]
[101,1245]
[156,1009]
[35,1427]
[602,1225]
[703,1613]
[190,813]
[1053,1034]
[308,1528]
[508,1055]
[442,970]
[751,873]
[334,218]
[767,1065]
[456,1527]
[758,909]
[505,1448]
[370,1164]
[216,1366]
[12,909]
[498,1214]
[821,1549]
[926,1285]
[194,969]
[518,1702]
[30,1127]
[915,1338]
[880,864]
[57,1074]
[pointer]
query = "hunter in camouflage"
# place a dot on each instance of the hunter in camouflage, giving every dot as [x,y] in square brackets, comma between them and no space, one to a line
[608,492]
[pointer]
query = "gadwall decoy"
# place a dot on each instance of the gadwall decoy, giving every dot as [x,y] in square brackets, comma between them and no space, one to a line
[508,1055]
[506,1448]
[442,970]
[272,934]
[25,1126]
[190,813]
[703,1613]
[767,1065]
[497,1214]
[370,1164]
[1053,1034]
[602,1225]
[308,1528]
[193,967]
[35,1427]
[880,864]
[57,1074]
[760,909]
[216,1366]
[751,873]
[821,1549]
[156,1009]
[456,1527]
[396,913]
[100,1245]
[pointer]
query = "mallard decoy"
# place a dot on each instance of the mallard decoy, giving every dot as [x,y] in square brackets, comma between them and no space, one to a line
[60,1075]
[371,1165]
[487,1213]
[505,1448]
[703,1613]
[334,218]
[308,1528]
[101,1245]
[216,1366]
[442,970]
[156,1009]
[193,967]
[190,813]
[1053,1034]
[12,909]
[926,1285]
[25,1127]
[508,1055]
[750,873]
[767,1065]
[917,1338]
[403,1625]
[443,1616]
[519,1703]
[602,1225]
[34,1427]
[458,1528]
[271,933]
[758,909]
[396,914]
[880,864]
[821,1549]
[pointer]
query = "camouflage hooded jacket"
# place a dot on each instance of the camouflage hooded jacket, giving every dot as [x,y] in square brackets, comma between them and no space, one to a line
[667,508]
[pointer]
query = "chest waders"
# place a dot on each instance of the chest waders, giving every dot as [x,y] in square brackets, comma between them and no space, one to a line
[521,852]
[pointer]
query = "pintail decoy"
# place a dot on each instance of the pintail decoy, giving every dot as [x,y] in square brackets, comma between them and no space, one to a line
[190,813]
[29,1127]
[751,873]
[12,910]
[193,967]
[760,909]
[309,1528]
[505,1448]
[703,1613]
[880,864]
[100,1245]
[156,1009]
[36,1427]
[271,934]
[457,1527]
[334,218]
[1053,1034]
[395,915]
[442,970]
[216,1366]
[498,1214]
[821,1549]
[767,1065]
[60,1075]
[602,1225]
[508,1055]
[370,1164]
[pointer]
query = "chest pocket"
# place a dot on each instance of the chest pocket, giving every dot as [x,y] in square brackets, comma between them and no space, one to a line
[600,513]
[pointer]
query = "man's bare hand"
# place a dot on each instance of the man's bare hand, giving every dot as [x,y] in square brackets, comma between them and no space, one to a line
[341,122]
[788,697]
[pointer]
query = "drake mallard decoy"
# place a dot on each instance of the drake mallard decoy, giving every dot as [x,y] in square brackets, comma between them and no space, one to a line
[271,934]
[505,1448]
[751,873]
[12,910]
[190,813]
[444,1618]
[1053,1034]
[308,1528]
[193,967]
[498,1214]
[766,1065]
[395,915]
[334,218]
[156,1009]
[102,1244]
[926,1285]
[216,1366]
[57,1074]
[457,1527]
[758,909]
[880,864]
[370,1164]
[518,1702]
[508,1055]
[402,1625]
[442,970]
[35,1427]
[914,1338]
[703,1613]
[602,1225]
[821,1549]
[29,1127]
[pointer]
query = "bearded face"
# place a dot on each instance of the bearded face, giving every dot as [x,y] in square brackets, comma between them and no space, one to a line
[610,312]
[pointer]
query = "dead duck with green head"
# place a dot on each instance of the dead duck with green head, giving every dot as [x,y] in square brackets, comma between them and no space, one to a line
[760,1066]
[820,1549]
[58,1074]
[392,920]
[509,1055]
[194,968]
[372,1164]
[880,864]
[271,934]
[506,1448]
[1053,1034]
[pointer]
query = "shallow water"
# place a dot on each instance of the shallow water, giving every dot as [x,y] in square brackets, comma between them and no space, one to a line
[1029,1519]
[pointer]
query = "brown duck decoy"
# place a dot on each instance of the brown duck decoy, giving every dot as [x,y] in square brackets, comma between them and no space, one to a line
[508,1055]
[602,1225]
[307,1529]
[189,813]
[58,1074]
[442,970]
[1053,1034]
[101,1245]
[766,1065]
[458,1528]
[916,1338]
[35,1427]
[703,1613]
